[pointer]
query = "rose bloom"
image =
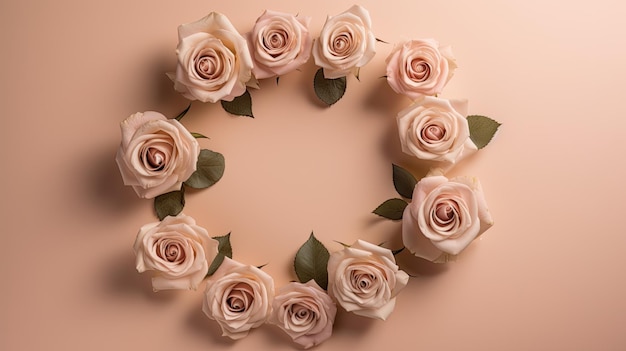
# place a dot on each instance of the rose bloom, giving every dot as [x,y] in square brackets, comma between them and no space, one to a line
[156,154]
[279,43]
[177,249]
[444,216]
[365,279]
[239,297]
[435,129]
[213,60]
[305,312]
[346,43]
[419,67]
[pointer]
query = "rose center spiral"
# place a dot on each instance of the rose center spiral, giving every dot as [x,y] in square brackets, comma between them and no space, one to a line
[240,298]
[208,66]
[156,159]
[420,70]
[433,133]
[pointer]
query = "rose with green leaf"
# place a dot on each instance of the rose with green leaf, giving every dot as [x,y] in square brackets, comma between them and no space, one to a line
[213,60]
[177,250]
[419,67]
[364,279]
[238,297]
[156,154]
[444,217]
[279,43]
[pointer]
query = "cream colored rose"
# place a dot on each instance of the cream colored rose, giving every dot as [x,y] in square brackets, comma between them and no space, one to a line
[435,129]
[365,279]
[213,60]
[239,297]
[444,216]
[279,43]
[419,67]
[345,44]
[177,250]
[156,154]
[305,312]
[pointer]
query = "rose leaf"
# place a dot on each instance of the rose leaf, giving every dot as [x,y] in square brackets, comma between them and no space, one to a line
[328,90]
[224,250]
[209,170]
[391,209]
[183,113]
[311,262]
[403,181]
[240,106]
[199,136]
[169,204]
[482,129]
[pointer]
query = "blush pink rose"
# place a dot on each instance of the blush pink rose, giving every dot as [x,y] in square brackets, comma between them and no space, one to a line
[238,297]
[345,44]
[364,279]
[305,312]
[279,43]
[419,67]
[177,250]
[156,154]
[444,217]
[436,129]
[213,60]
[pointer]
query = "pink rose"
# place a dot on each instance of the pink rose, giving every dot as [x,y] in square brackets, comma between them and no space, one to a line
[177,249]
[419,67]
[435,129]
[444,217]
[239,297]
[346,43]
[305,312]
[279,43]
[213,60]
[156,154]
[365,279]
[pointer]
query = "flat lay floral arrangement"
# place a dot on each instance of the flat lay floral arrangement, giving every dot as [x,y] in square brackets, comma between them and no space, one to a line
[159,158]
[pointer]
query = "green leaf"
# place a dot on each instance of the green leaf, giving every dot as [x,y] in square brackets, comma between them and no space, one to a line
[183,113]
[395,252]
[328,90]
[198,135]
[391,209]
[209,169]
[403,181]
[311,262]
[482,129]
[224,250]
[240,106]
[169,204]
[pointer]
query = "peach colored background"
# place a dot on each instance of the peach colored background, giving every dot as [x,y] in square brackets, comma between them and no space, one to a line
[548,276]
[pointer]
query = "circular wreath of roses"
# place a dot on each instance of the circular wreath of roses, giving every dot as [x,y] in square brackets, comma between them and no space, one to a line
[159,157]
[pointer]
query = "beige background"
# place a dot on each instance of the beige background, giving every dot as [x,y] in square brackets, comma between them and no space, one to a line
[548,276]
